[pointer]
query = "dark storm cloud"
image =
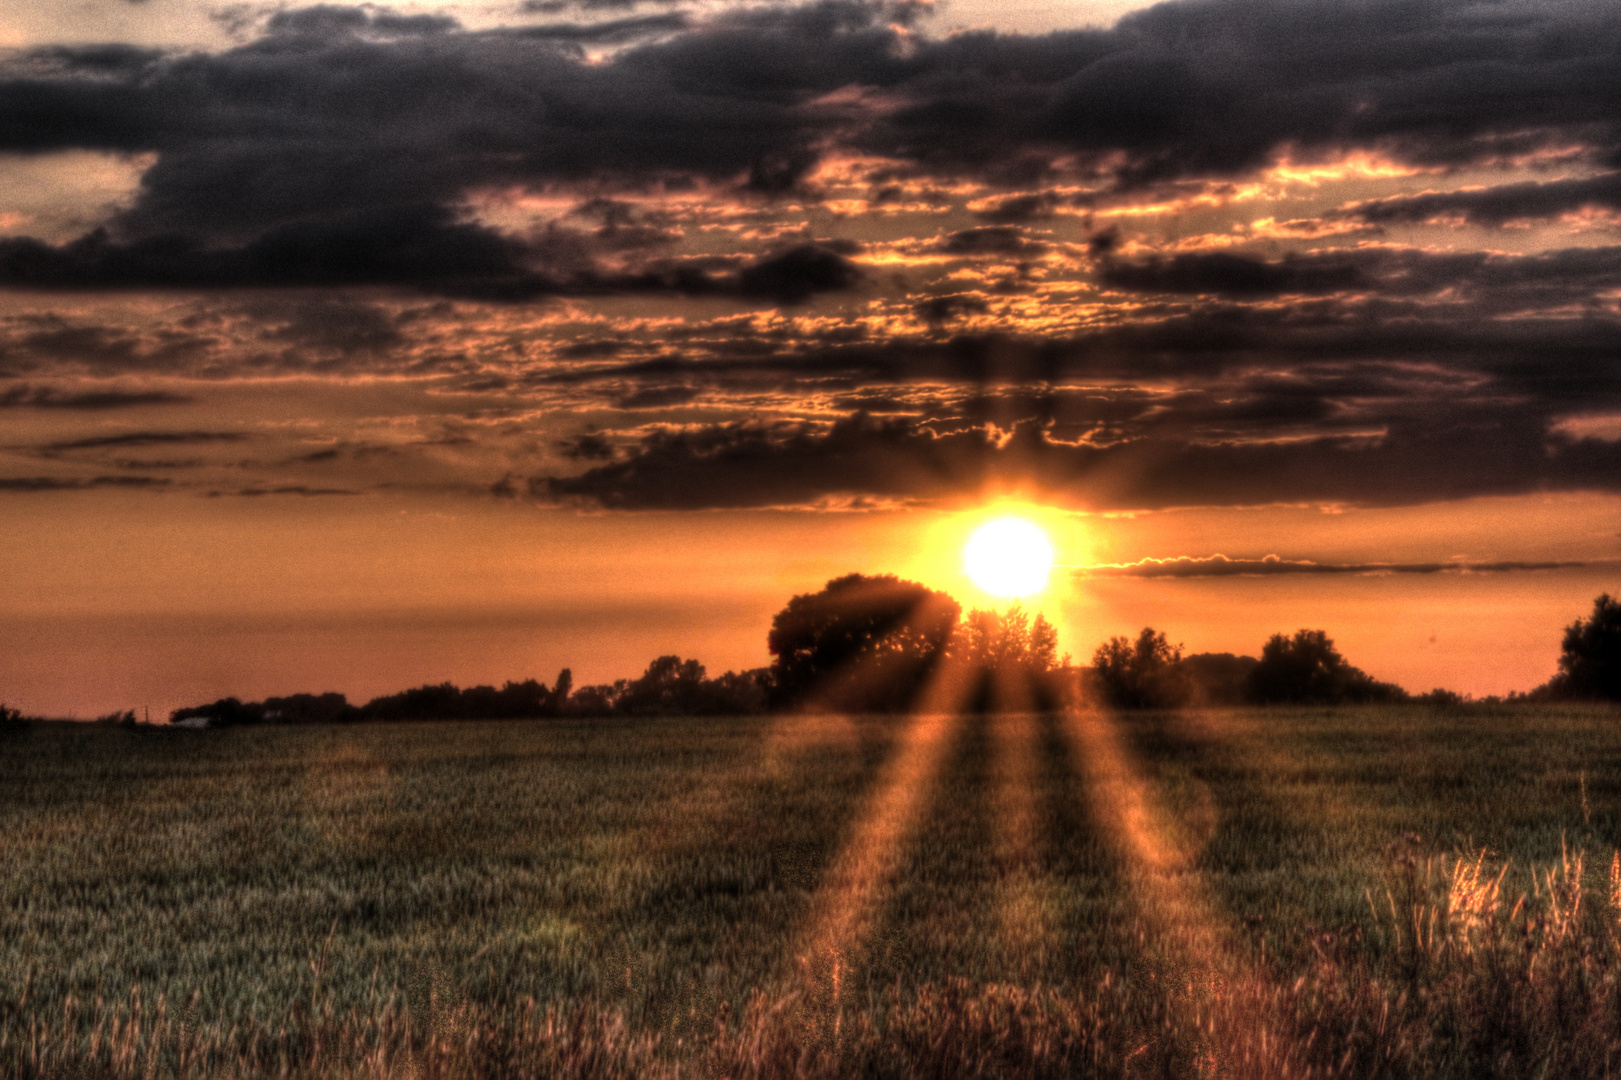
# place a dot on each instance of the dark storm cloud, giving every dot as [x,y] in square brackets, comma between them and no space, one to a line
[420,247]
[990,240]
[942,309]
[1018,209]
[612,30]
[1272,566]
[1549,279]
[23,395]
[339,114]
[1140,451]
[1497,205]
[1226,274]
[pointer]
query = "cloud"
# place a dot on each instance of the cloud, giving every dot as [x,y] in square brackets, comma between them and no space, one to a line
[146,438]
[27,484]
[289,489]
[796,274]
[23,395]
[1547,279]
[1226,274]
[421,247]
[338,111]
[1188,566]
[990,240]
[1494,206]
[1425,457]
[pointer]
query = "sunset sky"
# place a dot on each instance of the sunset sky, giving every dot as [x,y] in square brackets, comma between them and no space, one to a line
[354,347]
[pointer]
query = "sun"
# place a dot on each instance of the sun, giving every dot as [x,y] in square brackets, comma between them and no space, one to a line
[1009,557]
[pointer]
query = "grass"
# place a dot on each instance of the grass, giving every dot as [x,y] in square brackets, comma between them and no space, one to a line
[1375,892]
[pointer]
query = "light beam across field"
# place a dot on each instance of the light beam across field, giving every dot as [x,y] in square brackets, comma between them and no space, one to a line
[1194,949]
[829,950]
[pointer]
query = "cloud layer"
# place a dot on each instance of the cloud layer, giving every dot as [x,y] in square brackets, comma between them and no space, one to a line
[1228,252]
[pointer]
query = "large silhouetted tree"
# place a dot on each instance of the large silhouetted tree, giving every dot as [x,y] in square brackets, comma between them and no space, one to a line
[860,644]
[1590,665]
[1308,669]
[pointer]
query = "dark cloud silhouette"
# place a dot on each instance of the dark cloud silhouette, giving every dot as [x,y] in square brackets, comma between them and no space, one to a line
[796,274]
[1424,458]
[1548,279]
[990,240]
[419,247]
[610,30]
[1018,209]
[1227,274]
[1497,205]
[942,309]
[338,111]
[1187,566]
[289,489]
[27,484]
[23,395]
[146,438]
[355,148]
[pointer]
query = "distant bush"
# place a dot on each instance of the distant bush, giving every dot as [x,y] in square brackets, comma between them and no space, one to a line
[1590,664]
[446,701]
[1216,679]
[12,720]
[1308,669]
[673,686]
[1141,674]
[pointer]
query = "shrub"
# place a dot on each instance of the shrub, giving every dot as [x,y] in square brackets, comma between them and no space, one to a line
[1140,674]
[1590,665]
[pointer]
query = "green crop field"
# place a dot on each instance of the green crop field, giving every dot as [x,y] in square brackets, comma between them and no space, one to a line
[1394,891]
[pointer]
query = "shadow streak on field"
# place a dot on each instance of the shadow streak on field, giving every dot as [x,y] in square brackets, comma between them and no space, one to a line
[1271,852]
[971,902]
[725,872]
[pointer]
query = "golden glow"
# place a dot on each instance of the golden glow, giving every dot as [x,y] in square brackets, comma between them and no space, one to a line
[1009,557]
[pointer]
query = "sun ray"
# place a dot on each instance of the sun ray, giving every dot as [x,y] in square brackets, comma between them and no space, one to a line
[844,908]
[1023,905]
[1198,955]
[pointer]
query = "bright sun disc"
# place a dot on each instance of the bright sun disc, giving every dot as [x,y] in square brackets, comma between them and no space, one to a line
[1009,557]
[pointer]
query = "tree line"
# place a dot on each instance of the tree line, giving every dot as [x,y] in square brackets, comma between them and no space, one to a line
[860,644]
[878,644]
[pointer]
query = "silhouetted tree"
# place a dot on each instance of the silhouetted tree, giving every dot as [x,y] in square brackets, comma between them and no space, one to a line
[739,693]
[1011,658]
[309,709]
[597,700]
[1007,640]
[1216,679]
[861,643]
[226,712]
[1308,669]
[560,692]
[669,685]
[1590,664]
[1139,674]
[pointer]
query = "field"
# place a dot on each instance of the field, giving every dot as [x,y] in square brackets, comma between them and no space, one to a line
[1381,892]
